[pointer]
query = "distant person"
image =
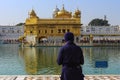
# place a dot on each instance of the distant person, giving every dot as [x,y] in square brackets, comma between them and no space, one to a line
[71,58]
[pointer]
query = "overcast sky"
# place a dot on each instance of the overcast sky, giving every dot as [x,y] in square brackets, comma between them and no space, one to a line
[15,11]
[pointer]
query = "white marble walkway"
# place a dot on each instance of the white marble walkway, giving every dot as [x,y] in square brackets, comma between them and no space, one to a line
[56,77]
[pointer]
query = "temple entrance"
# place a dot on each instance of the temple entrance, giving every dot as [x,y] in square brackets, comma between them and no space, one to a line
[42,39]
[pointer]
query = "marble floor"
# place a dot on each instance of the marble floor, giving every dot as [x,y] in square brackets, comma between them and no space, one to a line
[56,77]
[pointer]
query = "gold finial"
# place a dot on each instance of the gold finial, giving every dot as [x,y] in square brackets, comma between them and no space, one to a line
[63,7]
[32,8]
[56,6]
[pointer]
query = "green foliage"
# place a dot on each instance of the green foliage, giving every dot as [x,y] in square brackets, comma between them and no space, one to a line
[98,22]
[20,24]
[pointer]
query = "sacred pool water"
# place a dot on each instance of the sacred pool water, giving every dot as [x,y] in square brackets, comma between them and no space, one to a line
[15,60]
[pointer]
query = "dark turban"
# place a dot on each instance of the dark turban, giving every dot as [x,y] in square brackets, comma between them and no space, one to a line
[69,36]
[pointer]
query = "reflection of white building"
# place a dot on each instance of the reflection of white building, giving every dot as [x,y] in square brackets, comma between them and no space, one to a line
[10,33]
[101,32]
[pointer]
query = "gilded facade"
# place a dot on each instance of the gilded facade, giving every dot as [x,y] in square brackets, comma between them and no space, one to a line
[63,21]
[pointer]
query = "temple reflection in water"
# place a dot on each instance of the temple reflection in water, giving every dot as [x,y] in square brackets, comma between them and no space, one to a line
[39,60]
[42,60]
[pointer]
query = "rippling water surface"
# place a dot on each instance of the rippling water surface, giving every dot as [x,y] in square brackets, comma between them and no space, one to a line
[15,60]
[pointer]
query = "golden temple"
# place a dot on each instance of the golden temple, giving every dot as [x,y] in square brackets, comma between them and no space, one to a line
[63,21]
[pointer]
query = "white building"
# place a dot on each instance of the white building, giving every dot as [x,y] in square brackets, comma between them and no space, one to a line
[11,33]
[101,32]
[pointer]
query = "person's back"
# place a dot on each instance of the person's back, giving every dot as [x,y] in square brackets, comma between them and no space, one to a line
[71,57]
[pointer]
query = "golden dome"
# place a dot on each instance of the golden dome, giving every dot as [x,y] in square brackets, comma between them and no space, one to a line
[63,13]
[55,11]
[77,12]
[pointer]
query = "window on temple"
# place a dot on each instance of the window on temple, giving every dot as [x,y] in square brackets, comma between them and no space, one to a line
[68,30]
[31,32]
[63,30]
[59,30]
[45,31]
[51,31]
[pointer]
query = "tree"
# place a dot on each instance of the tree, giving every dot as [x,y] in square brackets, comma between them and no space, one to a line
[20,24]
[99,22]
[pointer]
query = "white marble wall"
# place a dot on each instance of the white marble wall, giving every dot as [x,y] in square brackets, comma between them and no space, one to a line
[11,32]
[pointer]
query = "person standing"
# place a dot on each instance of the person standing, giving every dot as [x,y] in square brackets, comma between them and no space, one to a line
[71,58]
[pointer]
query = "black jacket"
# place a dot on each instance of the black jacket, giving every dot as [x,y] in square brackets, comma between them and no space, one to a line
[71,57]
